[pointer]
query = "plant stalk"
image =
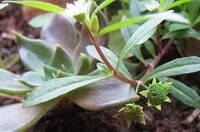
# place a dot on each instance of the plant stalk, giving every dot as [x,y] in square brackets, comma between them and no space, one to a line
[158,58]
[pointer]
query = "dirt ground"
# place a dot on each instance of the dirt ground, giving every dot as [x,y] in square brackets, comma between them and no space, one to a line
[78,120]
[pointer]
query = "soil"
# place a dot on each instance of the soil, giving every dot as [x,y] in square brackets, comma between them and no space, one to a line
[170,119]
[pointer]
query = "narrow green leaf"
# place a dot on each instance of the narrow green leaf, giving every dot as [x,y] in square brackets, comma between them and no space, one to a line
[112,58]
[61,60]
[101,6]
[3,6]
[142,34]
[169,16]
[183,93]
[137,52]
[2,64]
[176,67]
[107,93]
[41,20]
[121,24]
[150,48]
[57,87]
[178,26]
[177,3]
[33,53]
[14,118]
[9,85]
[38,5]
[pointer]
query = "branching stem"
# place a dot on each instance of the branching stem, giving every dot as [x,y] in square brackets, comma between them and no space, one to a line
[158,58]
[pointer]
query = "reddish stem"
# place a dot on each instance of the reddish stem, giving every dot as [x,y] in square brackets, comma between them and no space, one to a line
[158,58]
[107,63]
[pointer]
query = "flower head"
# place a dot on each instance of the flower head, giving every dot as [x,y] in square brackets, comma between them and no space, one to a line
[79,9]
[152,5]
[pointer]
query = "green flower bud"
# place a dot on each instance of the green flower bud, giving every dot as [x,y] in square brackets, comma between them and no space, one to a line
[94,24]
[156,94]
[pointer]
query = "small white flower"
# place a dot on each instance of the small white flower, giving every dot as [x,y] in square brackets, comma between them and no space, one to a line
[152,5]
[79,7]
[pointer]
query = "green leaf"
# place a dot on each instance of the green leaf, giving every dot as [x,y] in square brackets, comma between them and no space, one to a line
[33,53]
[61,60]
[137,52]
[121,24]
[83,65]
[101,6]
[103,68]
[38,5]
[104,94]
[193,10]
[135,8]
[40,20]
[112,58]
[183,93]
[2,64]
[169,16]
[59,87]
[32,79]
[177,3]
[178,26]
[150,48]
[9,85]
[52,73]
[176,67]
[183,33]
[142,34]
[14,118]
[3,6]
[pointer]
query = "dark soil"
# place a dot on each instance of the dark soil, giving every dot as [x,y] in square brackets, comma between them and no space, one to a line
[78,120]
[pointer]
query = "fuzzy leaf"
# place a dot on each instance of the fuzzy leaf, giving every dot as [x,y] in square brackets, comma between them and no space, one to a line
[60,31]
[32,79]
[104,94]
[38,5]
[176,67]
[112,58]
[183,93]
[59,87]
[9,85]
[142,34]
[14,118]
[33,53]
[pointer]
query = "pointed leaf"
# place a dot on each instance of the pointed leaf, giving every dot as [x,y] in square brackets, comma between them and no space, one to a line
[112,58]
[177,3]
[121,24]
[150,48]
[38,5]
[104,94]
[183,93]
[83,65]
[142,34]
[176,67]
[61,59]
[9,85]
[33,53]
[58,87]
[15,118]
[101,6]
